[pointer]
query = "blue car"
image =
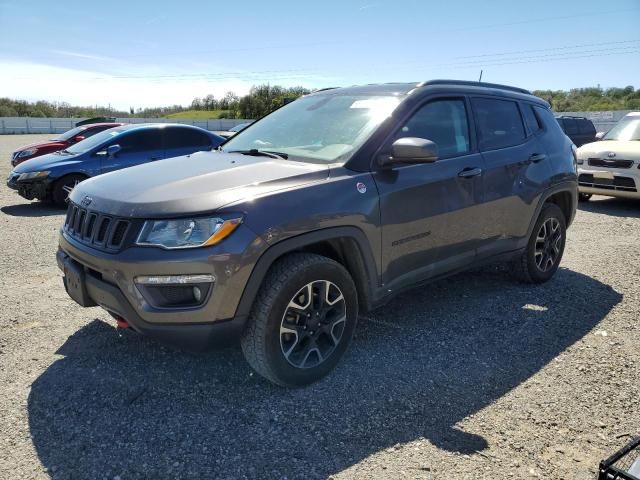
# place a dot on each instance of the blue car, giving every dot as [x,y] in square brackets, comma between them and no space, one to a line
[51,177]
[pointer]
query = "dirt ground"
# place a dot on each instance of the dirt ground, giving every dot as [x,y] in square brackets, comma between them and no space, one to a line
[471,377]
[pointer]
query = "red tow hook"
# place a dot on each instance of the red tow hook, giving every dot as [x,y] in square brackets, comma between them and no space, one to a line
[122,323]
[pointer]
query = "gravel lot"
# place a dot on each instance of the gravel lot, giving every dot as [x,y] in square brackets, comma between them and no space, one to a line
[471,377]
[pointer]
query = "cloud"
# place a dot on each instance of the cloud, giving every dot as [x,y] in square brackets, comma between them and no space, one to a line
[31,81]
[87,56]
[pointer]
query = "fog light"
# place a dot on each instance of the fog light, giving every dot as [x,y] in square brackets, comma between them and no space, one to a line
[174,279]
[197,294]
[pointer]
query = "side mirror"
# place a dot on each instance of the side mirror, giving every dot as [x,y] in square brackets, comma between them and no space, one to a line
[410,150]
[78,138]
[113,149]
[600,135]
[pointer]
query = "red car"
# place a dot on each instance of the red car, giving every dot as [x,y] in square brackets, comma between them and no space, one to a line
[59,143]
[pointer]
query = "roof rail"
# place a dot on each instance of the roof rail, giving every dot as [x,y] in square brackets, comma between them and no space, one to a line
[572,116]
[475,84]
[324,89]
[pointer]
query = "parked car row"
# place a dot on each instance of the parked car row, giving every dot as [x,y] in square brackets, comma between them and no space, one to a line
[58,143]
[92,150]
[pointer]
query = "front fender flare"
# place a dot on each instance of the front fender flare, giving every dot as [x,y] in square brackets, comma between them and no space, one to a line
[365,262]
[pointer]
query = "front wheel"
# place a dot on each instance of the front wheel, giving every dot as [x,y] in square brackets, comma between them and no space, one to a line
[62,188]
[302,321]
[545,248]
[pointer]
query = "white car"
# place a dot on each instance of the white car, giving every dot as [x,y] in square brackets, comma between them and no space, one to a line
[611,166]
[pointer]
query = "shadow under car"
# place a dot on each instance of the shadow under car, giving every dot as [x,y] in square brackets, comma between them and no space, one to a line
[120,404]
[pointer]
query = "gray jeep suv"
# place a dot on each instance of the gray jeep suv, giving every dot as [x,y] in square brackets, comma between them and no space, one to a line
[323,209]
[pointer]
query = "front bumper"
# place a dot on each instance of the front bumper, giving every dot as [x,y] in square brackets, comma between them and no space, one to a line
[614,182]
[30,189]
[108,280]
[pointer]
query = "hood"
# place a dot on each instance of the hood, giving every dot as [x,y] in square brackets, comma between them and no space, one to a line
[629,150]
[47,162]
[197,183]
[47,144]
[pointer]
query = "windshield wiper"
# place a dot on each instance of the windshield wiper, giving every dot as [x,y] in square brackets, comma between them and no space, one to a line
[254,152]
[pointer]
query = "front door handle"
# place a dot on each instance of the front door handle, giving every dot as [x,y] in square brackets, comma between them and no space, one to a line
[154,158]
[536,157]
[470,172]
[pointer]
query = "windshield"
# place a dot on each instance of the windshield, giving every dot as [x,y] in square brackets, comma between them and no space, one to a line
[70,134]
[93,141]
[317,128]
[626,129]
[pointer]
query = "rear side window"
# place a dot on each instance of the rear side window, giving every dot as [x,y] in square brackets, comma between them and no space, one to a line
[499,123]
[176,137]
[586,127]
[443,122]
[530,118]
[141,140]
[550,124]
[570,126]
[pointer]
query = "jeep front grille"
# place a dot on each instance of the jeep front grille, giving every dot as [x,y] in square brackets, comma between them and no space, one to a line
[104,232]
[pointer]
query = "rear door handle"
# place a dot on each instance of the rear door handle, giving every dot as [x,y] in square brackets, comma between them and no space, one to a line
[470,172]
[536,157]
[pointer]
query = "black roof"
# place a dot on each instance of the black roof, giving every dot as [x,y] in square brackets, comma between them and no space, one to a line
[404,89]
[475,84]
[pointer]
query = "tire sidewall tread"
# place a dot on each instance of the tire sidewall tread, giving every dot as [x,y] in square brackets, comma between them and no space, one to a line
[261,346]
[525,268]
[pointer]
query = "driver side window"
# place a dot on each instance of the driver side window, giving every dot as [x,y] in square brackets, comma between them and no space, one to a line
[443,122]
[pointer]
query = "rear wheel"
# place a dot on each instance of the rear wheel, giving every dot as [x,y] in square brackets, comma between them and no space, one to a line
[545,248]
[302,321]
[63,186]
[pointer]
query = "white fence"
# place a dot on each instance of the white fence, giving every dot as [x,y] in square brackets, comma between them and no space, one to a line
[10,125]
[602,120]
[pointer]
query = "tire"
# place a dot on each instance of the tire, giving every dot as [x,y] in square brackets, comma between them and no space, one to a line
[60,190]
[543,254]
[584,197]
[292,338]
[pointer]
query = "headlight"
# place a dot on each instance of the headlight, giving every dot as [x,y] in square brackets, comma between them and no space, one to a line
[27,153]
[32,175]
[187,232]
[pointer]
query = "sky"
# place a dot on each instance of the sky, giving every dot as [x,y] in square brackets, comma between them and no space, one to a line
[141,53]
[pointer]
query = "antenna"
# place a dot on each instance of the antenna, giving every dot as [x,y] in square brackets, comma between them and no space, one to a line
[480,79]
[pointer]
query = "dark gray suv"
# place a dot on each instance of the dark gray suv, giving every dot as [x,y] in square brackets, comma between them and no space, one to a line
[325,208]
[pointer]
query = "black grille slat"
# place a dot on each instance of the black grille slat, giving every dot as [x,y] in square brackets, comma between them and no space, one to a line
[104,228]
[77,226]
[72,217]
[69,214]
[90,223]
[119,233]
[95,229]
[610,163]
